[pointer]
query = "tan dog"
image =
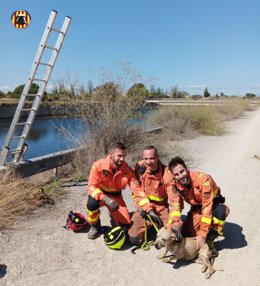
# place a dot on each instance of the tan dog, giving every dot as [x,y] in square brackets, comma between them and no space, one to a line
[186,249]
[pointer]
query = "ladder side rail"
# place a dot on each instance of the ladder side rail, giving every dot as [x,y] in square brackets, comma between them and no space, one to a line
[27,86]
[42,88]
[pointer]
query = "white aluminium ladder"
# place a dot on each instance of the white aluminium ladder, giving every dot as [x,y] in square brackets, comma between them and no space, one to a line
[29,113]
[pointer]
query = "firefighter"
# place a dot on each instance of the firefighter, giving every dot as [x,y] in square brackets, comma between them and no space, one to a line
[153,177]
[206,217]
[107,178]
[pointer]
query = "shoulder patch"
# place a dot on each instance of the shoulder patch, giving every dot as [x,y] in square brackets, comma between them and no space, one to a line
[142,169]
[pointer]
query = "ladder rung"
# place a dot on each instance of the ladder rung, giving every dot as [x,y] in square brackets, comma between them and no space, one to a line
[39,79]
[18,137]
[51,48]
[32,94]
[28,109]
[58,31]
[23,123]
[44,64]
[14,151]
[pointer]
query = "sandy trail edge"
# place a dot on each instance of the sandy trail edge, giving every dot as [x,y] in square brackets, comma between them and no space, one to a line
[41,252]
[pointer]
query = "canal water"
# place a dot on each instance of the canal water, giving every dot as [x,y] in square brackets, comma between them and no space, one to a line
[49,135]
[46,136]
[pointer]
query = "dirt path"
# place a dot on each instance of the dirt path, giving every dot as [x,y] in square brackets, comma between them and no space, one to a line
[41,252]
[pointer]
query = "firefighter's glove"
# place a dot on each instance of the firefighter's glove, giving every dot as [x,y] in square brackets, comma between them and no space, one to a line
[177,231]
[142,213]
[111,203]
[155,218]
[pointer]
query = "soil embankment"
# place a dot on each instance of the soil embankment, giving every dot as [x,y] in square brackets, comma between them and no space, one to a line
[41,252]
[45,110]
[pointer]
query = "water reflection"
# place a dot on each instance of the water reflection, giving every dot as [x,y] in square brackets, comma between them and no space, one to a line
[46,135]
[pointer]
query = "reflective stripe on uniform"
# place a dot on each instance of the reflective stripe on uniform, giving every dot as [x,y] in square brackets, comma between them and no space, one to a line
[217,221]
[97,191]
[206,220]
[175,213]
[155,198]
[93,220]
[143,202]
[106,189]
[93,216]
[92,212]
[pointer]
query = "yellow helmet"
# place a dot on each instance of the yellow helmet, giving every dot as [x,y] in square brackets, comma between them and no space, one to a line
[115,238]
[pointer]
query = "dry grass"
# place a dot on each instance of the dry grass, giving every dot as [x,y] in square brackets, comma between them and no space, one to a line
[18,197]
[181,122]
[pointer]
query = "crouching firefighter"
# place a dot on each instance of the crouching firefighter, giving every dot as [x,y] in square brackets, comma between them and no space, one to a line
[206,217]
[152,199]
[107,178]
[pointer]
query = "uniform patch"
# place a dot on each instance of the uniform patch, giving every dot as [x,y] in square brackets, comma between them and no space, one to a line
[207,195]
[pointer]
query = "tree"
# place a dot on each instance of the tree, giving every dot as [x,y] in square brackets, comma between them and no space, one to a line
[107,92]
[175,93]
[19,89]
[2,94]
[206,92]
[250,95]
[138,90]
[90,88]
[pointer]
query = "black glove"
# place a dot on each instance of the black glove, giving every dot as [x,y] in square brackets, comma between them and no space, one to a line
[142,213]
[155,218]
[111,203]
[176,229]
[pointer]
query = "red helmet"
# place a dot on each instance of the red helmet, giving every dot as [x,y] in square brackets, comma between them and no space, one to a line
[76,221]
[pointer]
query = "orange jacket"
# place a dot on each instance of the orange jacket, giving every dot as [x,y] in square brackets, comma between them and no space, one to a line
[101,179]
[154,186]
[201,193]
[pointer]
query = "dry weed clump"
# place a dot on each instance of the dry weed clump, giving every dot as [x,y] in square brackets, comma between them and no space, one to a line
[187,121]
[107,117]
[18,197]
[234,109]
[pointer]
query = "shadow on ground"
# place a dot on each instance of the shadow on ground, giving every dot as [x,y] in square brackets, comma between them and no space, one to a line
[3,271]
[234,237]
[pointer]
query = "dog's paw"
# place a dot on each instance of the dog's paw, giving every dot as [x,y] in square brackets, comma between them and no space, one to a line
[162,253]
[204,269]
[166,259]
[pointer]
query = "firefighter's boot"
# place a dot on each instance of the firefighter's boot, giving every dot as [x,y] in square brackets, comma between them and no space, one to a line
[95,230]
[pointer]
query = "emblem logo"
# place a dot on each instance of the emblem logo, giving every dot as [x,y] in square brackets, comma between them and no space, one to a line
[21,19]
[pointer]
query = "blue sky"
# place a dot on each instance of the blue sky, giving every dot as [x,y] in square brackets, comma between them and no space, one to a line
[188,43]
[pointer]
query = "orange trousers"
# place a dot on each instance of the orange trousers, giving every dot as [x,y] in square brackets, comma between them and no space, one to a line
[120,217]
[137,228]
[191,225]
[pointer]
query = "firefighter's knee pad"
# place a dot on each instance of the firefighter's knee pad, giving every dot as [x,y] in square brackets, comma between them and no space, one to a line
[134,240]
[219,212]
[92,204]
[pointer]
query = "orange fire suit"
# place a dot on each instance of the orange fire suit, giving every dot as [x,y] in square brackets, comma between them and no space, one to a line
[103,182]
[203,195]
[153,195]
